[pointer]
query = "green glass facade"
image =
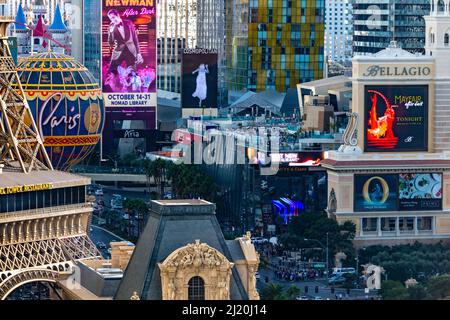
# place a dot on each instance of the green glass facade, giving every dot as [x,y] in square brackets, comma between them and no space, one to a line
[273,44]
[236,47]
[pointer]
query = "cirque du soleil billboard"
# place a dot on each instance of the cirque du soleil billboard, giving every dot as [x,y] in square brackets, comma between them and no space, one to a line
[396,118]
[392,192]
[129,53]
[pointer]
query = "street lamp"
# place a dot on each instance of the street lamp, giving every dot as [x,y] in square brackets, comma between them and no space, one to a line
[326,250]
[114,161]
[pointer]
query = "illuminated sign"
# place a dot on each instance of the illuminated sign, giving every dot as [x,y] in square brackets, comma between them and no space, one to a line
[396,118]
[133,134]
[375,70]
[199,78]
[25,188]
[398,192]
[420,191]
[129,53]
[298,159]
[375,193]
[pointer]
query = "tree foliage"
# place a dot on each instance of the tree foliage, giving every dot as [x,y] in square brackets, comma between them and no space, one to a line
[292,292]
[419,261]
[316,226]
[436,288]
[439,287]
[186,181]
[393,290]
[272,291]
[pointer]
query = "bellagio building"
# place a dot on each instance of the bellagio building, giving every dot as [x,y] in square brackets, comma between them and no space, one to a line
[392,178]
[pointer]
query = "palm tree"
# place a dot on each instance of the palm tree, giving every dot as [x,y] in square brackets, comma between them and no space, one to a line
[272,291]
[157,170]
[293,292]
[138,209]
[148,173]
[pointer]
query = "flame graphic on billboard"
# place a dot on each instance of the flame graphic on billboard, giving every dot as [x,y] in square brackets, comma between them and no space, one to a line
[380,133]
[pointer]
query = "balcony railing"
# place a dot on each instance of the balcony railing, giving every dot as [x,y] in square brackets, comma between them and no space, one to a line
[44,211]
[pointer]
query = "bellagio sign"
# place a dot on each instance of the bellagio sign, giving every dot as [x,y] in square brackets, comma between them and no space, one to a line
[411,71]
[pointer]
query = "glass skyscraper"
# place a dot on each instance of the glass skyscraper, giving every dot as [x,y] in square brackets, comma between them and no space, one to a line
[236,47]
[92,37]
[339,30]
[177,29]
[273,44]
[378,22]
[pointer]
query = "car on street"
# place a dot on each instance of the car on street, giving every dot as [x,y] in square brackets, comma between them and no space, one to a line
[302,298]
[167,195]
[318,298]
[337,279]
[342,271]
[259,240]
[99,192]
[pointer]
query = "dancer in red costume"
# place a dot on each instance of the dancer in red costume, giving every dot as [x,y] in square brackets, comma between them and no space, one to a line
[382,127]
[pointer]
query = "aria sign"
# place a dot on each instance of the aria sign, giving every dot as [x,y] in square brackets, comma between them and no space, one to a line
[133,133]
[375,70]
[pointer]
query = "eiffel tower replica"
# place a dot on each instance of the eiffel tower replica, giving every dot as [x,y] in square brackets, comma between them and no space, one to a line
[19,137]
[44,214]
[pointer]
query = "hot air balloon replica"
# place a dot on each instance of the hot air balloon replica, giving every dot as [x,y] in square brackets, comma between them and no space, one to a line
[63,95]
[66,102]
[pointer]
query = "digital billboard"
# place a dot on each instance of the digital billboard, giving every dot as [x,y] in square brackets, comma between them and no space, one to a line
[199,79]
[298,159]
[129,53]
[396,118]
[402,192]
[375,192]
[420,191]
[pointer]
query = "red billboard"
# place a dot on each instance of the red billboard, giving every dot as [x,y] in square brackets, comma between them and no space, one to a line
[129,53]
[396,118]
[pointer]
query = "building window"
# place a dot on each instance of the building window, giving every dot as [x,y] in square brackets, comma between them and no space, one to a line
[406,224]
[388,224]
[369,224]
[424,223]
[441,6]
[196,290]
[446,40]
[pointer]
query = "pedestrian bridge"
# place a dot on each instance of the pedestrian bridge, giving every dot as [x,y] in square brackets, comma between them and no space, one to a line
[117,177]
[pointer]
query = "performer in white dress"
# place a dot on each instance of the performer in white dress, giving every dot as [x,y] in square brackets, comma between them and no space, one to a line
[201,89]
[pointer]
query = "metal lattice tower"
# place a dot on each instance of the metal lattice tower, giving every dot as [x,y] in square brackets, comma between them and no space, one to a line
[44,243]
[19,137]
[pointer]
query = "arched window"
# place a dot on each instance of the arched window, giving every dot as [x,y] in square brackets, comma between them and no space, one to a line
[446,40]
[441,6]
[196,290]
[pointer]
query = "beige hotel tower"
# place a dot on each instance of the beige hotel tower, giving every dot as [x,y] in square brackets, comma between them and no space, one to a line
[392,176]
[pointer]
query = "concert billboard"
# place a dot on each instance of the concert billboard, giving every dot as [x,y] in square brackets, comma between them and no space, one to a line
[199,79]
[420,191]
[375,192]
[396,118]
[129,53]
